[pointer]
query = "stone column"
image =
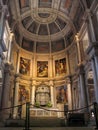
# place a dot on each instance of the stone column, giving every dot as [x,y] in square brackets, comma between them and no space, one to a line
[93,49]
[10,47]
[1,78]
[34,66]
[95,73]
[74,98]
[50,67]
[2,20]
[16,89]
[33,92]
[52,93]
[90,26]
[69,92]
[18,61]
[83,92]
[78,49]
[6,90]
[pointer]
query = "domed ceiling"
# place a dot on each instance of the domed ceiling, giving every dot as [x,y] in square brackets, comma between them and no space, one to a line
[43,26]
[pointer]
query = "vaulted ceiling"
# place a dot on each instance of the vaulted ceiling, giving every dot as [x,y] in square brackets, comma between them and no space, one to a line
[46,26]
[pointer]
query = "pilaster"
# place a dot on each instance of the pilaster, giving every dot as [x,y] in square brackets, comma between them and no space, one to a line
[33,92]
[6,90]
[16,89]
[93,55]
[82,87]
[69,91]
[52,92]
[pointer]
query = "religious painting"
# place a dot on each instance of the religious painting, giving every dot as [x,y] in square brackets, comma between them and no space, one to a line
[24,66]
[45,3]
[61,94]
[27,45]
[42,47]
[23,94]
[24,3]
[65,5]
[60,67]
[57,45]
[42,69]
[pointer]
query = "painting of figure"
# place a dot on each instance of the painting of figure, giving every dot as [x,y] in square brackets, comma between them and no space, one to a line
[61,94]
[42,69]
[24,3]
[60,67]
[45,3]
[24,66]
[23,94]
[65,5]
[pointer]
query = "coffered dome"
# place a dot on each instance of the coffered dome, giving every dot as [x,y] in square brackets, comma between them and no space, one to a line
[44,25]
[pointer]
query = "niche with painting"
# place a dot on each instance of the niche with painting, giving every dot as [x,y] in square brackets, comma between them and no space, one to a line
[61,94]
[60,67]
[42,69]
[23,94]
[24,66]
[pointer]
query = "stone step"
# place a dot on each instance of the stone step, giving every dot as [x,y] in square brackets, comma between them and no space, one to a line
[48,128]
[36,122]
[47,122]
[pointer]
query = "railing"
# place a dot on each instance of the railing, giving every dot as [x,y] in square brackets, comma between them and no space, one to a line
[28,105]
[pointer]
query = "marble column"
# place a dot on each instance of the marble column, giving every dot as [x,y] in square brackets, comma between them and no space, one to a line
[16,89]
[90,26]
[18,61]
[52,93]
[33,92]
[34,66]
[95,73]
[74,98]
[69,94]
[6,90]
[93,49]
[1,78]
[10,47]
[50,67]
[83,92]
[2,20]
[78,49]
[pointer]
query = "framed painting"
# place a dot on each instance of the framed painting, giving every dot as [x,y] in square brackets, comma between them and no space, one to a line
[60,67]
[42,68]
[61,94]
[23,94]
[24,66]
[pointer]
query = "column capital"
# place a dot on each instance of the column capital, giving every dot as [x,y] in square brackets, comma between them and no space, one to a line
[8,67]
[17,79]
[68,80]
[51,83]
[77,37]
[81,69]
[34,82]
[93,50]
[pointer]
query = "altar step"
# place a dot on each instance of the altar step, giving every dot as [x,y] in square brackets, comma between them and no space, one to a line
[37,122]
[47,122]
[48,128]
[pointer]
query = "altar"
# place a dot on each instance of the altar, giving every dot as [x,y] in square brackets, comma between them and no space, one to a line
[47,112]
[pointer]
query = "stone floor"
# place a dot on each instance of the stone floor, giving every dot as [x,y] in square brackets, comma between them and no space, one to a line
[90,126]
[49,128]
